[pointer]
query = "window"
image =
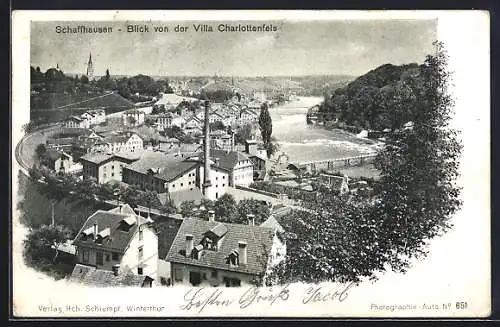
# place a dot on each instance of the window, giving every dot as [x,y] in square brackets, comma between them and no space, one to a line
[85,255]
[99,259]
[182,184]
[139,271]
[114,256]
[173,185]
[112,174]
[107,257]
[214,274]
[232,282]
[224,177]
[141,235]
[104,175]
[223,185]
[141,253]
[178,275]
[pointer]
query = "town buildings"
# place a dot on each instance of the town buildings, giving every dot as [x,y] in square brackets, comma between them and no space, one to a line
[119,142]
[77,122]
[58,161]
[133,117]
[104,167]
[175,176]
[212,253]
[118,239]
[337,183]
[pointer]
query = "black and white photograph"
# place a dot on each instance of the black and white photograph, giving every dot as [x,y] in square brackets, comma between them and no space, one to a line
[300,164]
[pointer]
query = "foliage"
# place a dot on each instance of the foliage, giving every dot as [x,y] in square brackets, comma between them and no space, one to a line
[376,100]
[186,208]
[216,126]
[251,206]
[39,251]
[346,238]
[225,207]
[243,133]
[265,124]
[39,242]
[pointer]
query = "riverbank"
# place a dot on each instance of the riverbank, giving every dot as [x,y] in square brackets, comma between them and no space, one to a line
[302,142]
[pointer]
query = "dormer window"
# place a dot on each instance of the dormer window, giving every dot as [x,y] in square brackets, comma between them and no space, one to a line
[233,259]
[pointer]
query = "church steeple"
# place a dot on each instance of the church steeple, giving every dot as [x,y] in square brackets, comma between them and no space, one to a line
[90,68]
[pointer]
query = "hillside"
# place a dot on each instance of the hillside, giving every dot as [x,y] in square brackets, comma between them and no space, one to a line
[382,98]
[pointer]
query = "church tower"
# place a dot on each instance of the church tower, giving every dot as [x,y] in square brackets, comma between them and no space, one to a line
[90,68]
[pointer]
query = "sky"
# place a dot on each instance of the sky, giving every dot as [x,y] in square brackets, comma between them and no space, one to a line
[335,47]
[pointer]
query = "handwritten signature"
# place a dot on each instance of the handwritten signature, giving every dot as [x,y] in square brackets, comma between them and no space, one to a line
[200,298]
[315,294]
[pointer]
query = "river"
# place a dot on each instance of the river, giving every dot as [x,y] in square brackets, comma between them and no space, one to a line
[302,142]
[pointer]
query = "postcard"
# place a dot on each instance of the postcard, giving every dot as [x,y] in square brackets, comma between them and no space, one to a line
[314,164]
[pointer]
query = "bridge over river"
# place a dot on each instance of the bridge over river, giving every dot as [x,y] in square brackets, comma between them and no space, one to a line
[330,164]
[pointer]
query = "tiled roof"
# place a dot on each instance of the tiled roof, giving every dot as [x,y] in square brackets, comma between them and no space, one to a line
[227,159]
[271,222]
[166,168]
[92,276]
[54,154]
[259,240]
[152,160]
[118,138]
[175,169]
[99,158]
[186,195]
[118,239]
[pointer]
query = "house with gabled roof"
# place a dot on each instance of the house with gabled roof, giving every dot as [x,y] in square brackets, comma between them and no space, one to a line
[105,167]
[247,116]
[212,253]
[118,240]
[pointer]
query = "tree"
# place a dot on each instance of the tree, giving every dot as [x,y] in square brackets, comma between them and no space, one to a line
[254,207]
[41,243]
[417,192]
[87,189]
[107,74]
[344,238]
[242,134]
[265,124]
[40,153]
[84,79]
[218,125]
[187,208]
[225,208]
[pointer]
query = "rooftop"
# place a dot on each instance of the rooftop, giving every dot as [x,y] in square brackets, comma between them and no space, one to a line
[99,157]
[259,242]
[92,276]
[118,238]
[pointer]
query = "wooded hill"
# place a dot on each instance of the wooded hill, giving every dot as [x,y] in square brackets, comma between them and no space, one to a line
[385,97]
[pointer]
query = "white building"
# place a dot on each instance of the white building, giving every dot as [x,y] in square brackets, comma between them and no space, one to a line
[77,122]
[121,142]
[118,239]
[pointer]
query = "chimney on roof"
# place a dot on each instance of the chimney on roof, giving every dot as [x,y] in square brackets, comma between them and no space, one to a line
[95,231]
[217,161]
[242,252]
[251,219]
[206,180]
[116,269]
[211,215]
[189,244]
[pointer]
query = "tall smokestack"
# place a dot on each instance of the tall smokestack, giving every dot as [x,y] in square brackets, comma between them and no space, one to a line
[206,180]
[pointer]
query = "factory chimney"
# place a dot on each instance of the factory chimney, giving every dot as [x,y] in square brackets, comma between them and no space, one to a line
[206,180]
